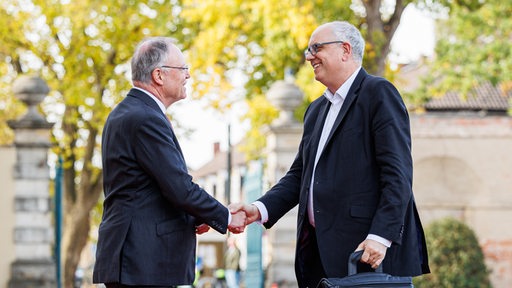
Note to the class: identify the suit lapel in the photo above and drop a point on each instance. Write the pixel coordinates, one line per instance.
(319, 126)
(351, 96)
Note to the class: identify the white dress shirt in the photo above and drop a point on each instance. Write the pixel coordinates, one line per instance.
(336, 100)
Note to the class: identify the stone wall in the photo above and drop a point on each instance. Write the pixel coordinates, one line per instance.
(463, 169)
(32, 235)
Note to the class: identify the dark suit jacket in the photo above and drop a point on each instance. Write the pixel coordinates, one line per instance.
(363, 180)
(147, 234)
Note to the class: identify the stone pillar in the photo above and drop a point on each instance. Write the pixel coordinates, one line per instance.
(33, 233)
(283, 138)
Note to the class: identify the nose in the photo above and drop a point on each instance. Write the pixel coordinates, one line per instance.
(309, 56)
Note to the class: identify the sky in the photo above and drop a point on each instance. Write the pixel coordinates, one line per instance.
(413, 39)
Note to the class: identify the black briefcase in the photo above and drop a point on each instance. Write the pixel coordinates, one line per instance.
(365, 279)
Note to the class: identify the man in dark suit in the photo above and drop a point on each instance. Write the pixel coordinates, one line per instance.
(352, 176)
(152, 209)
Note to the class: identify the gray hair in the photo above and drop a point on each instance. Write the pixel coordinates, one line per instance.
(149, 54)
(345, 31)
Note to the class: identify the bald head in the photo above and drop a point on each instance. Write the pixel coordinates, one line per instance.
(346, 32)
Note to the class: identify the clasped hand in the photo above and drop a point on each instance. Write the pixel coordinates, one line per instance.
(242, 215)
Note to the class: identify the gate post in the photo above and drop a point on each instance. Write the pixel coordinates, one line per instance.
(34, 265)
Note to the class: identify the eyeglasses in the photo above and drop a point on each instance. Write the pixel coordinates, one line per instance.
(184, 68)
(313, 49)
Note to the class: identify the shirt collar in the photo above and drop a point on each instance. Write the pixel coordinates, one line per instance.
(342, 92)
(160, 104)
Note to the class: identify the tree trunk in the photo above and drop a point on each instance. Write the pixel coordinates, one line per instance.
(74, 239)
(79, 196)
(380, 32)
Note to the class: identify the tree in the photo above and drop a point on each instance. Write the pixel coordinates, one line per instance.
(9, 107)
(455, 256)
(263, 39)
(474, 47)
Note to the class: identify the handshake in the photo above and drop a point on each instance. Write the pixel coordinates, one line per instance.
(241, 216)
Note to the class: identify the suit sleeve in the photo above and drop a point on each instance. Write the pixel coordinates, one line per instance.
(159, 156)
(392, 144)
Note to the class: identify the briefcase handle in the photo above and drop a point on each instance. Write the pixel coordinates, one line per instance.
(354, 258)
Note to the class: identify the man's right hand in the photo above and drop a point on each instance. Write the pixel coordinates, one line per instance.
(237, 224)
(251, 211)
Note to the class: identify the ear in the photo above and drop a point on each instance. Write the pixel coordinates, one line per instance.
(157, 76)
(347, 51)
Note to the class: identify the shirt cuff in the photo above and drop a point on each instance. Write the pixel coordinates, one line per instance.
(229, 217)
(263, 211)
(379, 239)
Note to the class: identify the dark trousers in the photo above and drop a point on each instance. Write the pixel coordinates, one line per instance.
(308, 266)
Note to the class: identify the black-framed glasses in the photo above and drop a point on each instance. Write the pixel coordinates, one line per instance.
(313, 49)
(184, 68)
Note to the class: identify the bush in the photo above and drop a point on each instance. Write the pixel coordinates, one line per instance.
(455, 257)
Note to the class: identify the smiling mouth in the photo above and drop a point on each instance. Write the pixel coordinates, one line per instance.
(316, 65)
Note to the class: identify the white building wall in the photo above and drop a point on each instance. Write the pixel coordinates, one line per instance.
(7, 219)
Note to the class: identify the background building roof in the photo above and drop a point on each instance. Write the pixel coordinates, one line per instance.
(485, 97)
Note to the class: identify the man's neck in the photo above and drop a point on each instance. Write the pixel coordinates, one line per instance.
(158, 102)
(343, 78)
(153, 91)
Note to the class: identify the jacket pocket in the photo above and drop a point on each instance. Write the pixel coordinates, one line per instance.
(361, 212)
(170, 226)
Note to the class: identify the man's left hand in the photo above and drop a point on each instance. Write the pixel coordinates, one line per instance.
(203, 228)
(374, 252)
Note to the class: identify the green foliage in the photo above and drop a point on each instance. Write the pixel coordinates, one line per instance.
(229, 43)
(455, 257)
(474, 47)
(10, 109)
(233, 43)
(251, 41)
